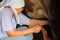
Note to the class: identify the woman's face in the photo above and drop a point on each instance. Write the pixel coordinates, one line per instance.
(19, 10)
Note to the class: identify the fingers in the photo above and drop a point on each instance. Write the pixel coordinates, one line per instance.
(43, 22)
(36, 29)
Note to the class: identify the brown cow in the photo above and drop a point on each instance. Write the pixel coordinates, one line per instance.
(38, 9)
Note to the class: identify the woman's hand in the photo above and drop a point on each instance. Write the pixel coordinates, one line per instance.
(36, 29)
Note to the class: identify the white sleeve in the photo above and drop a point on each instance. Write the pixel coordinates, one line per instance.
(23, 19)
(6, 22)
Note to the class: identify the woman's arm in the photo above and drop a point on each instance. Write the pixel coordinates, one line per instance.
(33, 22)
(14, 33)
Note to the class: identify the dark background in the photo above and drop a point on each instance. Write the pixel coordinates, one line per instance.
(55, 8)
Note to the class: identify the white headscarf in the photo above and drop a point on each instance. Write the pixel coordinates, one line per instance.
(13, 4)
(2, 4)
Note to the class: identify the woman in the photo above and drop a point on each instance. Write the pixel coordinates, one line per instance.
(11, 16)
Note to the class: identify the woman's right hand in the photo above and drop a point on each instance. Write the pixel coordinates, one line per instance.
(36, 28)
